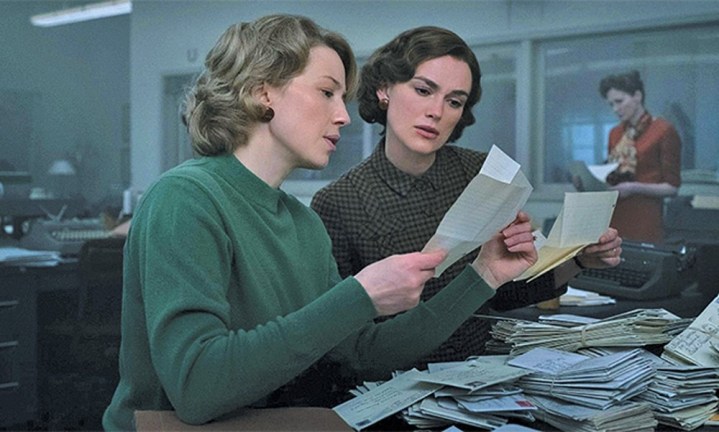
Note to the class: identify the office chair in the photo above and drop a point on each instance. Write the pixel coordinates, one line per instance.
(80, 349)
(100, 275)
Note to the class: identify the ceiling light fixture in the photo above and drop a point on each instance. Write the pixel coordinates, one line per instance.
(83, 13)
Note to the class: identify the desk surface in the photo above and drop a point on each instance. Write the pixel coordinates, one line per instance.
(273, 419)
(687, 305)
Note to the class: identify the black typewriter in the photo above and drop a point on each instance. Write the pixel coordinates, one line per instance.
(647, 271)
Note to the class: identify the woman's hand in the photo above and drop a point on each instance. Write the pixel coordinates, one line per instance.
(395, 283)
(603, 254)
(508, 253)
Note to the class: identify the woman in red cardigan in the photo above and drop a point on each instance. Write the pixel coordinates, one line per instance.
(648, 150)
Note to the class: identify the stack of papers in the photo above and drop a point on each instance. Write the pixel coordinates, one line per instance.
(698, 344)
(636, 328)
(578, 297)
(385, 399)
(26, 257)
(593, 177)
(705, 202)
(626, 417)
(683, 397)
(595, 382)
(713, 420)
(479, 393)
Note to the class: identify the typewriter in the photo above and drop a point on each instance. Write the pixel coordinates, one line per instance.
(65, 236)
(647, 271)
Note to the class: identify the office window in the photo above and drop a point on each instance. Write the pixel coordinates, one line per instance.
(495, 115)
(496, 110)
(679, 67)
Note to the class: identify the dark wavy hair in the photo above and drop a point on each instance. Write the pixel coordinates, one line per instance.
(629, 83)
(397, 62)
(220, 111)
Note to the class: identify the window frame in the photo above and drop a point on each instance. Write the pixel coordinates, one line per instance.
(530, 95)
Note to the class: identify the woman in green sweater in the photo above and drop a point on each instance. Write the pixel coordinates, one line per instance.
(231, 293)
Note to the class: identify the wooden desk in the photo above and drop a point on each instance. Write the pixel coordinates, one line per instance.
(272, 419)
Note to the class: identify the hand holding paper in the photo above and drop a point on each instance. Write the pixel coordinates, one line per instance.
(584, 217)
(489, 203)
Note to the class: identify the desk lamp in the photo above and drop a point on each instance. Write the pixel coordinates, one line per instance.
(64, 171)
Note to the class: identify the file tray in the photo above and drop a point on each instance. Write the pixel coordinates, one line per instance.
(646, 272)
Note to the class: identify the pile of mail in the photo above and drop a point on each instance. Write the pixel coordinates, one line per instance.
(626, 417)
(698, 344)
(595, 382)
(578, 297)
(636, 328)
(479, 392)
(574, 373)
(594, 389)
(683, 397)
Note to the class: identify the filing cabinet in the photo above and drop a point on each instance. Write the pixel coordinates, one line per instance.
(18, 349)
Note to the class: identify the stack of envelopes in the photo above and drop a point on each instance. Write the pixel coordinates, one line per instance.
(683, 397)
(594, 382)
(625, 417)
(636, 328)
(577, 392)
(479, 392)
(698, 344)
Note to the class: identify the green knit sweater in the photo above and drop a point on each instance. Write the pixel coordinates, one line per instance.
(230, 291)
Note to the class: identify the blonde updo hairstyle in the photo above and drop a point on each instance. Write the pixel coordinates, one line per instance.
(219, 110)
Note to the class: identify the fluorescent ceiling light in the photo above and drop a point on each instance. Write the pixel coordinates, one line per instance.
(83, 13)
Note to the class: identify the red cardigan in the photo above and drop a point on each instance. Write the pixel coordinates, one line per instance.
(640, 217)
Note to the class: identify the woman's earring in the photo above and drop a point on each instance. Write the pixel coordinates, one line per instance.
(383, 104)
(268, 115)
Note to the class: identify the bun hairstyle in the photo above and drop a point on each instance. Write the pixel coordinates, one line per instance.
(219, 110)
(397, 62)
(629, 83)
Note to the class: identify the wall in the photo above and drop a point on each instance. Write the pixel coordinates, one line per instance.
(78, 76)
(366, 24)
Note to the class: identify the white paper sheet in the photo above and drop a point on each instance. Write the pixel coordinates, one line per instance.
(584, 217)
(488, 204)
(386, 399)
(593, 177)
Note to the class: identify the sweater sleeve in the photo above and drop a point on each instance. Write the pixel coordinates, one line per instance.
(207, 366)
(380, 348)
